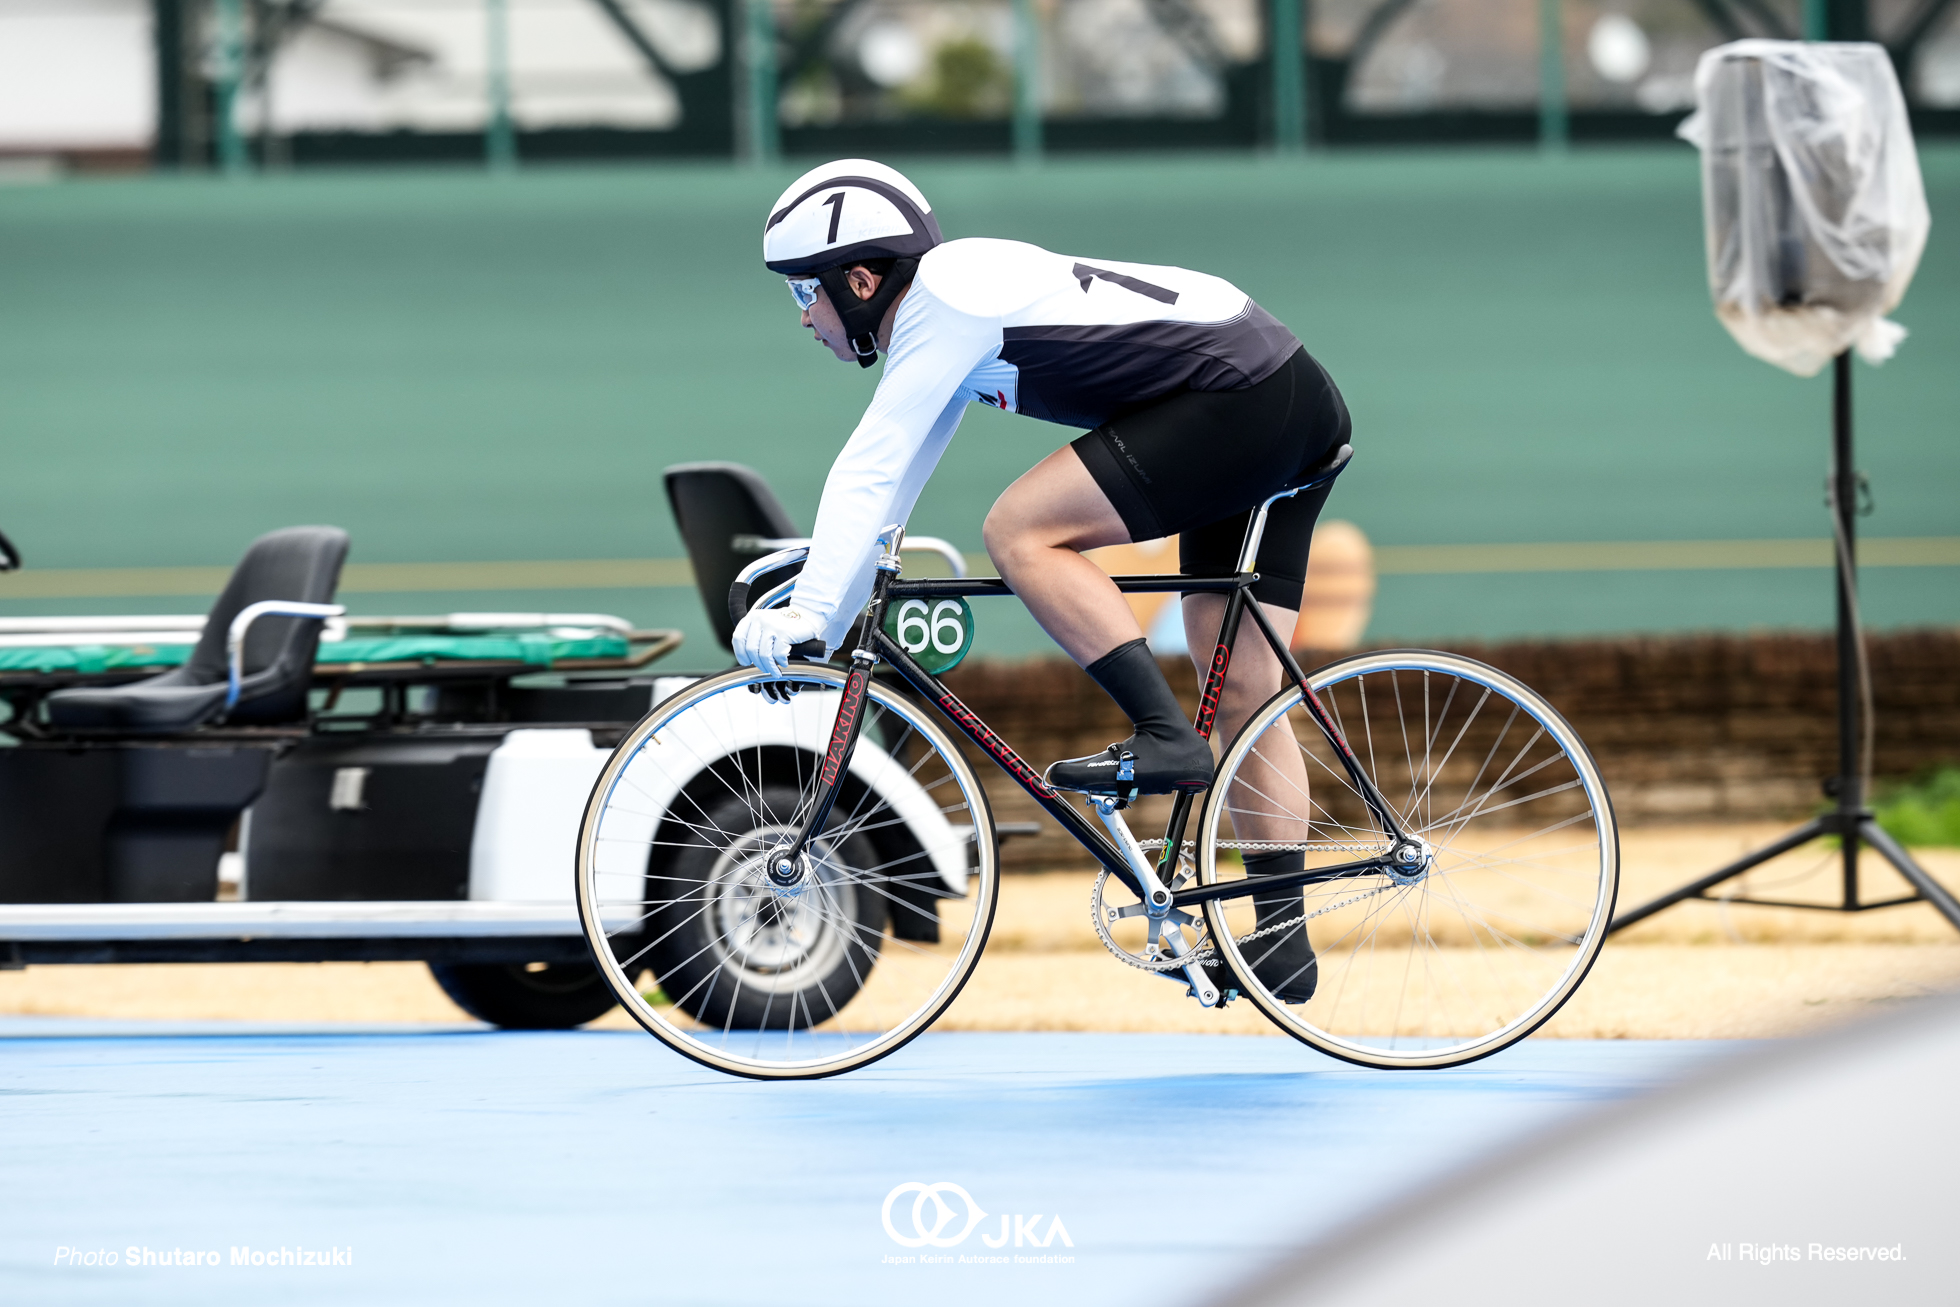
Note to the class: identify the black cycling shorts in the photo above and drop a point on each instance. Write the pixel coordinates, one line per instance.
(1197, 463)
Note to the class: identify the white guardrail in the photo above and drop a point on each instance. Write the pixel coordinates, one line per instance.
(403, 919)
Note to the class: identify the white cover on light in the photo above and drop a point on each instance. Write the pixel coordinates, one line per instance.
(1811, 195)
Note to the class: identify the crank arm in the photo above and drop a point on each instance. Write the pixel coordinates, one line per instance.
(1154, 893)
(1208, 995)
(1201, 985)
(1139, 910)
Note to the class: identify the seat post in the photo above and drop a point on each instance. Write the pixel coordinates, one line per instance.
(1255, 530)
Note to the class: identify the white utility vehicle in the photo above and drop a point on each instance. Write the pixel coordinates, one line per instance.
(279, 781)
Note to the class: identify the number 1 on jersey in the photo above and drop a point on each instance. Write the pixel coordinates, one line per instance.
(1086, 274)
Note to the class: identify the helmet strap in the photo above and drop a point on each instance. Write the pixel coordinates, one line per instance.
(862, 318)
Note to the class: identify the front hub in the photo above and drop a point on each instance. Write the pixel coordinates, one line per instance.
(786, 874)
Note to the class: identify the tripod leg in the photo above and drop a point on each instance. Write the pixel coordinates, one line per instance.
(1917, 876)
(1802, 835)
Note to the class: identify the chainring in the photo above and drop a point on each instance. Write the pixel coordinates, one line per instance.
(1202, 950)
(1190, 927)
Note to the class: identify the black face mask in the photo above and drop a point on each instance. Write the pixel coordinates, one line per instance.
(861, 317)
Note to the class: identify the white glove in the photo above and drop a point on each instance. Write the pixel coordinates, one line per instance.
(765, 637)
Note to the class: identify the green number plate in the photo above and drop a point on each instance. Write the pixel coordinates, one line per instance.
(936, 632)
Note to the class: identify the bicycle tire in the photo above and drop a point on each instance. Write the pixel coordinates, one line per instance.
(1512, 908)
(796, 984)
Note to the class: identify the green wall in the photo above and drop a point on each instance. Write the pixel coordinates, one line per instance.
(458, 367)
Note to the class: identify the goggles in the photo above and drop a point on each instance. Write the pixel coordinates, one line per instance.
(803, 291)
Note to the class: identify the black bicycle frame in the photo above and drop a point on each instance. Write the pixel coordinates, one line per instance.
(1237, 590)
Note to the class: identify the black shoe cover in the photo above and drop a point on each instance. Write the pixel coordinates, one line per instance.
(1164, 755)
(1139, 765)
(1283, 962)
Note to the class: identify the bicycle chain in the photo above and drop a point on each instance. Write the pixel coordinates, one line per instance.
(1210, 950)
(1205, 951)
(1275, 846)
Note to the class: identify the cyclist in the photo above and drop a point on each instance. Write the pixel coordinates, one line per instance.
(1198, 403)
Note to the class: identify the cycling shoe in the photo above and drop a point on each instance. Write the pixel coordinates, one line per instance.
(1141, 764)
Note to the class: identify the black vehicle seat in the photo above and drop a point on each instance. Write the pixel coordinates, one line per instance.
(713, 504)
(298, 563)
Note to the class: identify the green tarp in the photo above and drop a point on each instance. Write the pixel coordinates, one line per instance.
(535, 648)
(91, 657)
(491, 368)
(530, 647)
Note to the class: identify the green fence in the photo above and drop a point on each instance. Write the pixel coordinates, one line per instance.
(467, 370)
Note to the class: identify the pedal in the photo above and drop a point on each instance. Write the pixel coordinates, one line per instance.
(1225, 996)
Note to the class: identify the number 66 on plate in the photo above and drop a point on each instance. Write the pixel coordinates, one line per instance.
(937, 633)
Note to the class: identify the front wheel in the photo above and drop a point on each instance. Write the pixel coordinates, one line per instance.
(882, 925)
(1484, 936)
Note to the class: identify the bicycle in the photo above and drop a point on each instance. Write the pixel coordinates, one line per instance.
(809, 905)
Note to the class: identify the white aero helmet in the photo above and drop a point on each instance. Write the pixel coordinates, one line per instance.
(844, 212)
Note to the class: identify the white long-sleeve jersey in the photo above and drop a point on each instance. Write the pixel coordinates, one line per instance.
(1074, 341)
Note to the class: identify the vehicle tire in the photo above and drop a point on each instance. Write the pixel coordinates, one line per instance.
(862, 952)
(1480, 940)
(527, 996)
(736, 959)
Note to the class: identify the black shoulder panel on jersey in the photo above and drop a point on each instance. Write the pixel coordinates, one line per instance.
(1081, 376)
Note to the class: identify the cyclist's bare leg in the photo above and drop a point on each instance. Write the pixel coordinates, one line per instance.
(1036, 532)
(1269, 796)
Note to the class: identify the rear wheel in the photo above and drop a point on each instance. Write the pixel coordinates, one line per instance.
(881, 928)
(1483, 936)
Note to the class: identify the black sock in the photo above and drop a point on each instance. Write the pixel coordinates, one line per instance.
(1129, 674)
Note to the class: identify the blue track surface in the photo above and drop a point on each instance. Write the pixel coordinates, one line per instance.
(463, 1166)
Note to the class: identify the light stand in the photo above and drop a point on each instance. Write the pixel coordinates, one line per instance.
(1851, 821)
